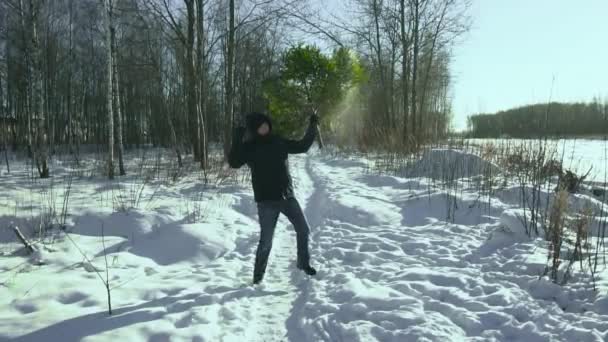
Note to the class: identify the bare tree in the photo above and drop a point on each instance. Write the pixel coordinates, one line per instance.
(405, 26)
(4, 115)
(70, 81)
(107, 9)
(229, 111)
(377, 12)
(202, 85)
(417, 13)
(38, 106)
(194, 66)
(116, 104)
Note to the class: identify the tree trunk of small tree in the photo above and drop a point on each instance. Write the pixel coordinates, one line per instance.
(107, 8)
(202, 74)
(431, 55)
(38, 96)
(404, 68)
(70, 91)
(229, 113)
(383, 84)
(4, 129)
(116, 104)
(191, 82)
(27, 96)
(416, 52)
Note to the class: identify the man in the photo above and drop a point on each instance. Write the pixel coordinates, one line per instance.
(266, 155)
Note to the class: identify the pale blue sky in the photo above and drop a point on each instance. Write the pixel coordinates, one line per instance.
(517, 47)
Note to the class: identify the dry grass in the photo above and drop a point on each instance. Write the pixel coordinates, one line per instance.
(579, 226)
(555, 232)
(536, 168)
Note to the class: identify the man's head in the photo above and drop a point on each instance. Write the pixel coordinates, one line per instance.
(259, 124)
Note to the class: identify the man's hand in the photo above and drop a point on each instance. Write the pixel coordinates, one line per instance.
(314, 119)
(314, 122)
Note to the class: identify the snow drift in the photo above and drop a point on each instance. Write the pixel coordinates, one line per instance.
(449, 164)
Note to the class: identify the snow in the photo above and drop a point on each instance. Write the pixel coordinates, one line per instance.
(398, 259)
(514, 221)
(434, 162)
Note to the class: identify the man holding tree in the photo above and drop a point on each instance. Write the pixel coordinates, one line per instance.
(266, 154)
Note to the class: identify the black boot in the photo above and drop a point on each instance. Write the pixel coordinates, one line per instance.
(308, 270)
(257, 279)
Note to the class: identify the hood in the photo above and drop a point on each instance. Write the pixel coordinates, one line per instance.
(255, 120)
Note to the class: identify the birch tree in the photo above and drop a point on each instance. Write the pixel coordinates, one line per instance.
(229, 112)
(202, 85)
(107, 9)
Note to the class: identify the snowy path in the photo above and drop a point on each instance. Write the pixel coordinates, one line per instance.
(394, 270)
(396, 262)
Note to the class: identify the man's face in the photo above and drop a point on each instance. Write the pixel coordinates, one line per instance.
(263, 129)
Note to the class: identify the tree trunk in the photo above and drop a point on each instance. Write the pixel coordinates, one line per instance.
(391, 87)
(38, 96)
(384, 103)
(202, 73)
(191, 82)
(9, 107)
(404, 70)
(164, 109)
(116, 99)
(70, 95)
(415, 68)
(70, 66)
(229, 114)
(107, 7)
(427, 73)
(27, 100)
(4, 129)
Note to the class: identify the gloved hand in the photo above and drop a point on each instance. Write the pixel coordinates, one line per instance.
(314, 119)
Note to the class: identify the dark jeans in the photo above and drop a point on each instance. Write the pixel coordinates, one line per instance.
(268, 214)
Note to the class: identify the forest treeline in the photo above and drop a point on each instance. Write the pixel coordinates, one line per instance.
(538, 120)
(180, 73)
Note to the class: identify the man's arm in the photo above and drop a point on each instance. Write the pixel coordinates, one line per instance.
(238, 154)
(303, 145)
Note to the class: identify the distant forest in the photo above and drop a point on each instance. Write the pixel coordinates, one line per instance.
(549, 119)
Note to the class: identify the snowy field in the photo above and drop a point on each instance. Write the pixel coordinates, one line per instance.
(399, 259)
(580, 155)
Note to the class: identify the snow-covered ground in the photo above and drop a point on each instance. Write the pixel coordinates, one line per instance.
(398, 260)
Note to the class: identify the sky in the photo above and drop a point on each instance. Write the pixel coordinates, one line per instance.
(520, 52)
(529, 51)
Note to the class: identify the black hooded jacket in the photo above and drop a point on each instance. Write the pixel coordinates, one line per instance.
(266, 156)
